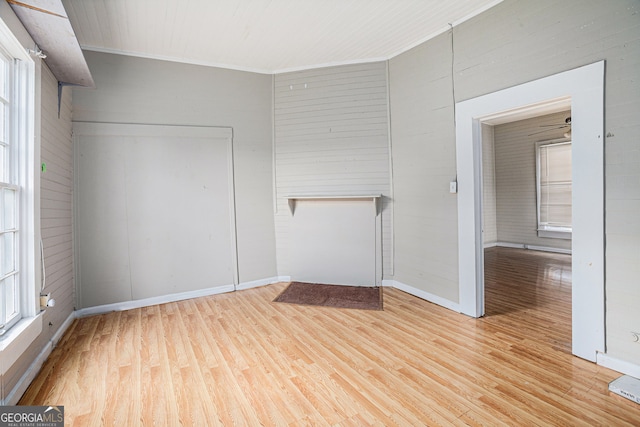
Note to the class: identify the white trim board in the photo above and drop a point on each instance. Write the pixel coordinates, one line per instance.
(423, 295)
(262, 282)
(603, 359)
(146, 302)
(526, 246)
(582, 89)
(18, 340)
(628, 368)
(23, 383)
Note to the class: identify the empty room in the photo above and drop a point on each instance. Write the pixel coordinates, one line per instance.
(249, 212)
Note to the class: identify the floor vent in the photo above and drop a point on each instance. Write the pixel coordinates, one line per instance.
(626, 386)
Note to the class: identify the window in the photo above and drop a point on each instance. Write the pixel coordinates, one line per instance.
(9, 279)
(554, 189)
(18, 295)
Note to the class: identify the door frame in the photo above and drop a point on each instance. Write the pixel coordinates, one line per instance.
(583, 89)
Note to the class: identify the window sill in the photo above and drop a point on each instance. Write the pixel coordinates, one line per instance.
(555, 233)
(17, 340)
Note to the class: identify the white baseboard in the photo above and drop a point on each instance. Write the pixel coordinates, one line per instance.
(18, 390)
(530, 247)
(424, 295)
(509, 245)
(621, 366)
(146, 302)
(163, 299)
(262, 282)
(14, 396)
(602, 359)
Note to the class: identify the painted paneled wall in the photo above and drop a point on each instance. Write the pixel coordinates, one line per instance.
(154, 209)
(332, 138)
(515, 179)
(514, 42)
(489, 225)
(144, 91)
(424, 163)
(56, 194)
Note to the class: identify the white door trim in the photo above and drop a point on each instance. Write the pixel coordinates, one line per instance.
(584, 88)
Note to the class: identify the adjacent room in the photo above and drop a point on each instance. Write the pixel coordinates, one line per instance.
(454, 187)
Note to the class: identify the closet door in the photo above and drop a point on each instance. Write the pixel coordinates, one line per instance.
(154, 211)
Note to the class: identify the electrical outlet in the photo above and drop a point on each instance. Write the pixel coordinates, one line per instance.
(44, 300)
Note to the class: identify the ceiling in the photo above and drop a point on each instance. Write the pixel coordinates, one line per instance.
(266, 36)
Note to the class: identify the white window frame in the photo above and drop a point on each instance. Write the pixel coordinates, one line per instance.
(545, 230)
(23, 149)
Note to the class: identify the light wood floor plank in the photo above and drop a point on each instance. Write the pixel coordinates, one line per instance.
(240, 359)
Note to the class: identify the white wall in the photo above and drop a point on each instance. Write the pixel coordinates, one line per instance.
(515, 179)
(154, 208)
(424, 162)
(144, 91)
(56, 194)
(331, 138)
(489, 226)
(516, 41)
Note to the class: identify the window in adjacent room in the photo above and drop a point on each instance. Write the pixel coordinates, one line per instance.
(554, 189)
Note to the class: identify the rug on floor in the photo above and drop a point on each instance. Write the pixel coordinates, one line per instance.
(340, 296)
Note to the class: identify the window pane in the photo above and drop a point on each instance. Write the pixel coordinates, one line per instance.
(556, 160)
(11, 298)
(3, 122)
(8, 261)
(8, 213)
(4, 76)
(3, 167)
(555, 185)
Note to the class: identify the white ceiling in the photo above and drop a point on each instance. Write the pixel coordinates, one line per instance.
(267, 36)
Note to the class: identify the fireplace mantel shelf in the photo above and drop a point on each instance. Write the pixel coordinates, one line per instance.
(373, 197)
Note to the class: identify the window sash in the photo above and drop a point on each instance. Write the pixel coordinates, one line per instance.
(10, 294)
(12, 97)
(554, 184)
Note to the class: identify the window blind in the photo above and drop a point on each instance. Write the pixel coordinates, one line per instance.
(555, 184)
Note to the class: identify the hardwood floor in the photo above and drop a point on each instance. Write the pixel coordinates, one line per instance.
(240, 359)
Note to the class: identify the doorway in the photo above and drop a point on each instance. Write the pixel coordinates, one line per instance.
(526, 169)
(582, 90)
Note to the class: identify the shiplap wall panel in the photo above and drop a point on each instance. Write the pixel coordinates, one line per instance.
(56, 194)
(515, 178)
(56, 216)
(423, 141)
(331, 138)
(515, 42)
(489, 224)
